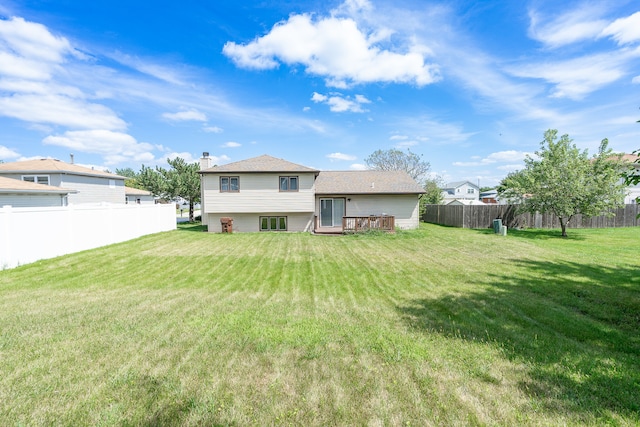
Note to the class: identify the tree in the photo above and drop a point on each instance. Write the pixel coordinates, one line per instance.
(152, 180)
(563, 180)
(632, 175)
(182, 180)
(433, 193)
(131, 178)
(397, 160)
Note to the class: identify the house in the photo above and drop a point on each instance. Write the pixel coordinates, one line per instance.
(92, 186)
(18, 193)
(460, 190)
(490, 197)
(633, 191)
(138, 196)
(465, 202)
(269, 194)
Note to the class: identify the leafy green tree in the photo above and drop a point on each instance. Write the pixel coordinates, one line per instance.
(131, 178)
(182, 180)
(433, 193)
(152, 180)
(394, 159)
(632, 175)
(563, 180)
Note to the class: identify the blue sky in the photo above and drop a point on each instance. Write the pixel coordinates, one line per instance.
(469, 85)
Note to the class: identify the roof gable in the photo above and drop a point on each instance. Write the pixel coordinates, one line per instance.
(260, 164)
(458, 184)
(53, 166)
(366, 182)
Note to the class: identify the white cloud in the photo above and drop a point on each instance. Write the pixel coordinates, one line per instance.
(508, 156)
(161, 72)
(115, 147)
(32, 40)
(60, 110)
(188, 115)
(340, 104)
(212, 129)
(577, 77)
(305, 109)
(575, 25)
(338, 50)
(398, 137)
(433, 130)
(635, 80)
(7, 153)
(187, 157)
(341, 156)
(30, 58)
(358, 167)
(624, 30)
(231, 144)
(316, 97)
(406, 143)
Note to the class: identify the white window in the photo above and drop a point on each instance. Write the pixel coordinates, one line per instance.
(38, 179)
(112, 183)
(470, 190)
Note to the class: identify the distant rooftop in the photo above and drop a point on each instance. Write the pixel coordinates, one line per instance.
(53, 166)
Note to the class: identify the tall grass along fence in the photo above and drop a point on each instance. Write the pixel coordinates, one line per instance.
(483, 216)
(31, 234)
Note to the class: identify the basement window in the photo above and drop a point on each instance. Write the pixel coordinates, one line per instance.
(273, 223)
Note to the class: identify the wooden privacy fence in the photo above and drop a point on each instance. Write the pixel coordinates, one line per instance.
(483, 216)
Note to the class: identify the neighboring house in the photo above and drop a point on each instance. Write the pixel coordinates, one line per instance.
(92, 186)
(21, 194)
(633, 191)
(269, 194)
(490, 197)
(461, 190)
(137, 196)
(462, 202)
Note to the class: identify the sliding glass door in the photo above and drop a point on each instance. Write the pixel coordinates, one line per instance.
(331, 212)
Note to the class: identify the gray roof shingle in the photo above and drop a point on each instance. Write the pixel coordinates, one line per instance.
(366, 182)
(53, 166)
(264, 163)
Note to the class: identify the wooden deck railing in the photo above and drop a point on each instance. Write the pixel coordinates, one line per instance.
(363, 223)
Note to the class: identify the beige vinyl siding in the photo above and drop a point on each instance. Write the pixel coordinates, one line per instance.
(404, 207)
(93, 189)
(250, 222)
(31, 200)
(259, 193)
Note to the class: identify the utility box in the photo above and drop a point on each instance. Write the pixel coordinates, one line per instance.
(497, 225)
(227, 224)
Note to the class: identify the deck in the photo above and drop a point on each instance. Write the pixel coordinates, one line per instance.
(356, 224)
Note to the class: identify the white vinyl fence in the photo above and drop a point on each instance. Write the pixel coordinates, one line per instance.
(31, 234)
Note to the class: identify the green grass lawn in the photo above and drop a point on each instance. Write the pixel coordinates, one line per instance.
(438, 326)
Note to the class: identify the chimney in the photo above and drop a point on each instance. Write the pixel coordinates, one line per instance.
(71, 158)
(205, 161)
